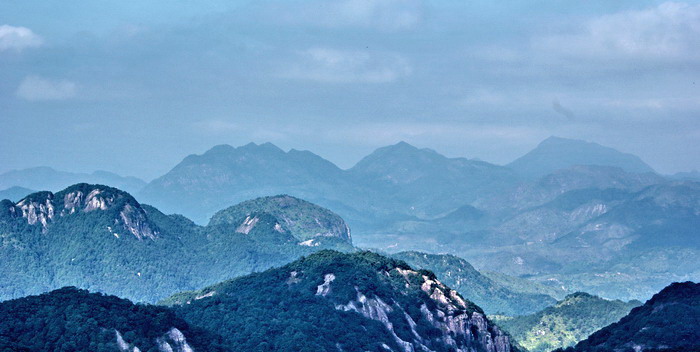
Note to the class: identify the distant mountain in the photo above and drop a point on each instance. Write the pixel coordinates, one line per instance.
(474, 286)
(306, 221)
(556, 153)
(46, 178)
(75, 320)
(402, 198)
(667, 322)
(614, 243)
(669, 209)
(686, 176)
(579, 177)
(331, 301)
(524, 285)
(101, 238)
(425, 183)
(200, 185)
(15, 193)
(392, 183)
(566, 323)
(598, 233)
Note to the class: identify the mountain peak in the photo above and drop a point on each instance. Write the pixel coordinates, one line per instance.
(668, 321)
(220, 149)
(407, 309)
(404, 145)
(46, 207)
(554, 140)
(305, 220)
(556, 153)
(400, 154)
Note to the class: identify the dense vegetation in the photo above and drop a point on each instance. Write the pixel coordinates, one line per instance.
(96, 249)
(305, 220)
(576, 215)
(286, 309)
(564, 324)
(327, 301)
(493, 297)
(669, 321)
(70, 319)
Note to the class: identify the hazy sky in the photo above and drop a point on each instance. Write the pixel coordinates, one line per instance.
(134, 86)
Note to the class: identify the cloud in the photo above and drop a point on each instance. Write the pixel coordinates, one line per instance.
(387, 15)
(35, 88)
(669, 31)
(345, 66)
(559, 109)
(18, 38)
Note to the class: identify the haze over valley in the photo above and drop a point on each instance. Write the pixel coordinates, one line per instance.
(349, 176)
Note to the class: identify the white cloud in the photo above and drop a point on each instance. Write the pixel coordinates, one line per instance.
(35, 88)
(670, 31)
(18, 38)
(343, 66)
(388, 15)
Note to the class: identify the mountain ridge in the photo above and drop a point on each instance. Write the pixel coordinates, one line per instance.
(666, 322)
(351, 302)
(556, 153)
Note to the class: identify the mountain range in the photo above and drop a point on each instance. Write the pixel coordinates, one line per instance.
(324, 302)
(583, 222)
(96, 237)
(101, 238)
(334, 301)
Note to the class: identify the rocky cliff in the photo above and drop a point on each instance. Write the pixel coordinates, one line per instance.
(347, 302)
(45, 207)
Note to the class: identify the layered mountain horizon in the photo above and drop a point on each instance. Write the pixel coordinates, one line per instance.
(273, 252)
(593, 213)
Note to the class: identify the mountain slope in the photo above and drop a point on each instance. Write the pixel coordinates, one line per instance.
(578, 177)
(49, 179)
(424, 183)
(307, 222)
(15, 193)
(90, 236)
(667, 322)
(560, 153)
(75, 320)
(349, 302)
(564, 324)
(614, 243)
(203, 184)
(102, 239)
(471, 284)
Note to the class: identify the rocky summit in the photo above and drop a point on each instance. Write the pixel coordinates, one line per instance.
(348, 302)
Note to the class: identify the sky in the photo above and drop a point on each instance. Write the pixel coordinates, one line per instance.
(133, 87)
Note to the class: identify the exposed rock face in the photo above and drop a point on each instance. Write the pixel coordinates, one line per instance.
(459, 329)
(45, 207)
(247, 225)
(172, 341)
(325, 288)
(41, 210)
(303, 220)
(360, 301)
